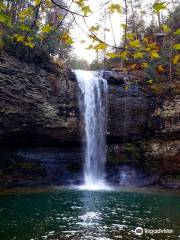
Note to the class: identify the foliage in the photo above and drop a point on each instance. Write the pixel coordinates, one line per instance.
(42, 24)
(32, 28)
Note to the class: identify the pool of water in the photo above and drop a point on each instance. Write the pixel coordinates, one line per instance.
(99, 215)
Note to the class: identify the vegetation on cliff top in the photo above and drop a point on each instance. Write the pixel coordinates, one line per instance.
(43, 27)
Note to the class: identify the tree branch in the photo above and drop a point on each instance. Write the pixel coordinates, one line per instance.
(66, 9)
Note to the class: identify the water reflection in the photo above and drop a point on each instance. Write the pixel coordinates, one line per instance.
(92, 216)
(80, 215)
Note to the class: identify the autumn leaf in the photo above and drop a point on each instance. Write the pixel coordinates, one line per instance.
(100, 46)
(165, 28)
(80, 3)
(176, 46)
(160, 68)
(29, 44)
(146, 40)
(177, 32)
(154, 54)
(48, 3)
(159, 6)
(152, 46)
(86, 10)
(133, 66)
(37, 2)
(130, 35)
(176, 59)
(2, 6)
(25, 28)
(27, 12)
(115, 8)
(123, 55)
(46, 28)
(66, 38)
(144, 65)
(5, 19)
(135, 43)
(123, 25)
(20, 38)
(112, 55)
(150, 81)
(138, 55)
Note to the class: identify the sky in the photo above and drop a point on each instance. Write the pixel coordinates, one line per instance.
(81, 33)
(78, 35)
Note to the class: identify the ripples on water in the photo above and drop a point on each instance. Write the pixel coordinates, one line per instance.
(93, 215)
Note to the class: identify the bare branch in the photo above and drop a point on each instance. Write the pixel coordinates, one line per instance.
(66, 9)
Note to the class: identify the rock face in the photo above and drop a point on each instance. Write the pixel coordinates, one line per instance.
(36, 105)
(40, 130)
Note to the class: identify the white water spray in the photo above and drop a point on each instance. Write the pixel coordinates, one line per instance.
(93, 101)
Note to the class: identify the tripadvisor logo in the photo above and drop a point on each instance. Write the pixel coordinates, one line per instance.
(139, 231)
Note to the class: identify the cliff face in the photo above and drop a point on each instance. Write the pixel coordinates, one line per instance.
(36, 106)
(40, 130)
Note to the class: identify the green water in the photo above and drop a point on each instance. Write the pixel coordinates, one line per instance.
(99, 215)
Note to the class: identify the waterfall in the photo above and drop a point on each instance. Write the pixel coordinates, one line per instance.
(93, 101)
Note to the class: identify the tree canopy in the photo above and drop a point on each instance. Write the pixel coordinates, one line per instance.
(46, 24)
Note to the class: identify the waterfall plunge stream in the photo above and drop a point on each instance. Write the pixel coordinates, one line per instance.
(93, 101)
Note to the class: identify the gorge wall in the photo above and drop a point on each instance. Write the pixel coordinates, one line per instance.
(40, 129)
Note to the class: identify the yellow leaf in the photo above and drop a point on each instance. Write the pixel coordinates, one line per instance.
(133, 66)
(24, 28)
(166, 29)
(27, 12)
(86, 10)
(48, 3)
(150, 81)
(66, 38)
(152, 46)
(37, 2)
(123, 55)
(46, 28)
(158, 6)
(138, 55)
(145, 65)
(29, 44)
(146, 40)
(130, 35)
(100, 46)
(176, 59)
(20, 38)
(177, 32)
(115, 8)
(160, 68)
(80, 3)
(176, 46)
(135, 43)
(154, 54)
(112, 55)
(123, 25)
